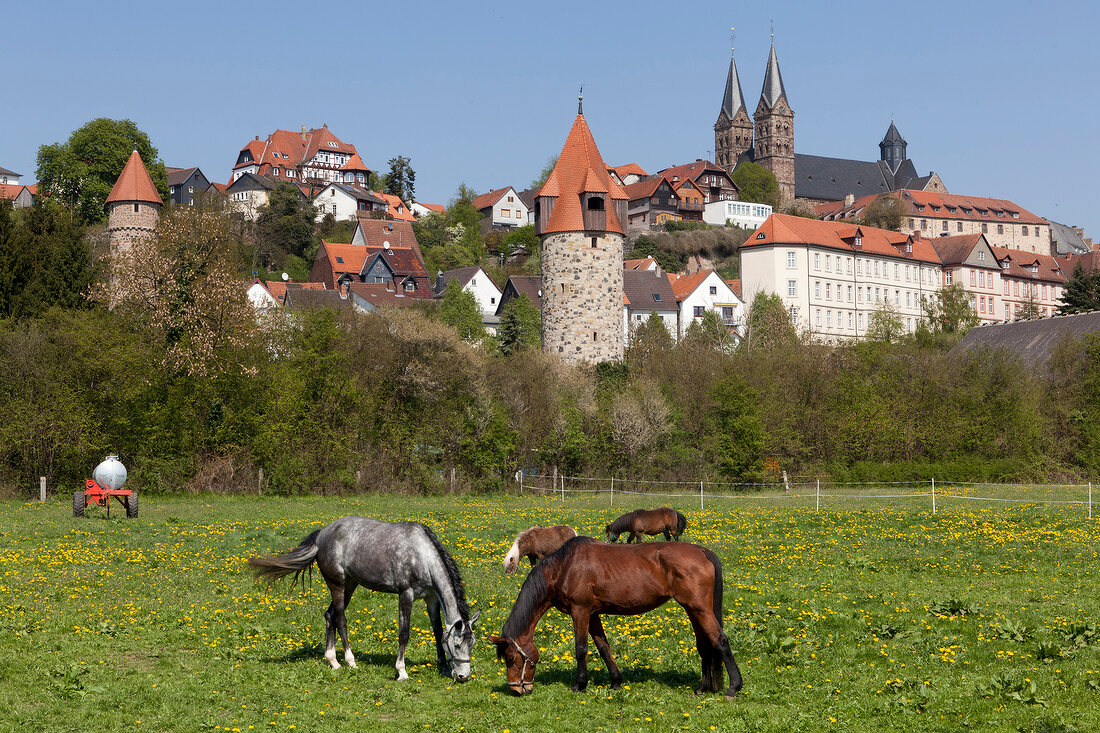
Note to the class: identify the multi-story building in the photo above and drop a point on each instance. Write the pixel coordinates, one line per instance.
(934, 214)
(650, 203)
(712, 179)
(501, 208)
(313, 156)
(184, 184)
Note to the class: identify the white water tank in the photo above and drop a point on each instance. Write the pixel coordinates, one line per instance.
(110, 474)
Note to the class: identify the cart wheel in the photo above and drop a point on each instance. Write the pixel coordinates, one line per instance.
(78, 503)
(132, 506)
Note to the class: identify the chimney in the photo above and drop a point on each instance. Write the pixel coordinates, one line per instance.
(257, 138)
(303, 131)
(849, 199)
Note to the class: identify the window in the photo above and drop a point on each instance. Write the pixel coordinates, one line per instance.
(859, 294)
(958, 226)
(896, 268)
(817, 261)
(727, 313)
(981, 254)
(944, 227)
(697, 311)
(947, 277)
(859, 266)
(817, 288)
(1000, 229)
(908, 303)
(849, 319)
(985, 228)
(510, 199)
(657, 297)
(792, 290)
(829, 319)
(714, 290)
(817, 317)
(849, 265)
(826, 263)
(506, 213)
(859, 241)
(897, 297)
(849, 293)
(790, 260)
(136, 208)
(594, 241)
(828, 291)
(860, 321)
(1006, 286)
(1016, 288)
(876, 268)
(923, 223)
(595, 203)
(1024, 230)
(972, 278)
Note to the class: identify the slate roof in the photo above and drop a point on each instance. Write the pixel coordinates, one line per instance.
(134, 183)
(892, 135)
(732, 99)
(648, 291)
(529, 285)
(1033, 341)
(528, 198)
(1066, 240)
(954, 250)
(359, 193)
(179, 176)
(382, 294)
(831, 179)
(773, 82)
(462, 274)
(5, 171)
(580, 169)
(643, 189)
(308, 299)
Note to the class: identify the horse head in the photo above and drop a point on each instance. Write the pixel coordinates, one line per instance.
(519, 661)
(611, 536)
(458, 646)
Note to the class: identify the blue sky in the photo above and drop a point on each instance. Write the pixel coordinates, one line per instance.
(999, 98)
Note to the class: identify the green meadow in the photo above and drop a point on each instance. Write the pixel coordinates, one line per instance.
(866, 615)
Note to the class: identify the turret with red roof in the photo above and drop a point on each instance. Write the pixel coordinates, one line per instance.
(133, 206)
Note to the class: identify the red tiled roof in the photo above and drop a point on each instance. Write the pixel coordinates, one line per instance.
(1020, 262)
(954, 250)
(12, 190)
(433, 207)
(628, 169)
(692, 170)
(1089, 261)
(640, 264)
(289, 149)
(579, 169)
(643, 189)
(787, 229)
(382, 294)
(485, 200)
(134, 183)
(685, 285)
(735, 286)
(935, 205)
(355, 163)
(397, 208)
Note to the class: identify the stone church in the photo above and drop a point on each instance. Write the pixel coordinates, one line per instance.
(767, 139)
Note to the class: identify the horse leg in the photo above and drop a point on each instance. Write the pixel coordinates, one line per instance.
(708, 658)
(334, 612)
(580, 639)
(437, 629)
(342, 625)
(595, 628)
(668, 536)
(712, 628)
(532, 558)
(633, 537)
(404, 614)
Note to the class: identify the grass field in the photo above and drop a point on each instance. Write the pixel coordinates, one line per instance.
(870, 616)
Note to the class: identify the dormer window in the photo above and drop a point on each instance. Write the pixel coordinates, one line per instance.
(858, 242)
(595, 203)
(657, 297)
(1004, 265)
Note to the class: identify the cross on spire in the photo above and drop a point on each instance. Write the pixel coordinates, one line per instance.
(773, 29)
(733, 38)
(580, 101)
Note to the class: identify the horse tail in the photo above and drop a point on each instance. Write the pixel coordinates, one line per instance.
(296, 561)
(681, 523)
(719, 587)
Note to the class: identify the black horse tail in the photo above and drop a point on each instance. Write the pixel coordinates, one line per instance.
(681, 523)
(719, 590)
(296, 561)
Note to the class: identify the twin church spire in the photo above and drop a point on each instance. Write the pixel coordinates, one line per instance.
(766, 138)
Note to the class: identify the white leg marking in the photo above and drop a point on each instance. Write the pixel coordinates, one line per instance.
(349, 658)
(401, 675)
(330, 655)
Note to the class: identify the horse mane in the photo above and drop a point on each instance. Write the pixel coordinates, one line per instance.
(622, 524)
(533, 591)
(452, 573)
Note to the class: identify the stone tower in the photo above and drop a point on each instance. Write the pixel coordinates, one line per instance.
(774, 125)
(733, 130)
(579, 216)
(892, 148)
(133, 207)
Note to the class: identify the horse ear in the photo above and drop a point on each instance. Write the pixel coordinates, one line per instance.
(474, 618)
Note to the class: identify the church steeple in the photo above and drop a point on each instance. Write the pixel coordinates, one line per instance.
(892, 149)
(774, 128)
(733, 130)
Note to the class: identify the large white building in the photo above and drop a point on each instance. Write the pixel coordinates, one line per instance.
(736, 213)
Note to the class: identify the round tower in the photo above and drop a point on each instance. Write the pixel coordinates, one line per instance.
(579, 215)
(133, 206)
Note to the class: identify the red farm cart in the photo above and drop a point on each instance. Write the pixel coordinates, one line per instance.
(106, 482)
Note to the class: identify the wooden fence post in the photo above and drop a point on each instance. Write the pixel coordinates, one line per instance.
(554, 480)
(786, 484)
(700, 495)
(818, 495)
(260, 481)
(613, 494)
(933, 494)
(42, 490)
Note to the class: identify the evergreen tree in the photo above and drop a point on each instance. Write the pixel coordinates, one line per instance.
(400, 181)
(1082, 293)
(520, 326)
(285, 226)
(44, 261)
(459, 309)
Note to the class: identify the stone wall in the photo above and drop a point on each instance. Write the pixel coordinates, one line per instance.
(582, 296)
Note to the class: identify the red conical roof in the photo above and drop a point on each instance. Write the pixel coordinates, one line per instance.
(580, 169)
(134, 183)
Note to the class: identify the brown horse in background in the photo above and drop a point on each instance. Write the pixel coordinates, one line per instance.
(586, 578)
(647, 521)
(536, 543)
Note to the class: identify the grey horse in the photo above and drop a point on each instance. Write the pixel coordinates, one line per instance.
(405, 558)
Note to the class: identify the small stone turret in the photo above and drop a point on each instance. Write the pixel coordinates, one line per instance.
(579, 216)
(133, 206)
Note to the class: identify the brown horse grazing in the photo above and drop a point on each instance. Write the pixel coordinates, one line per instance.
(585, 578)
(536, 543)
(647, 521)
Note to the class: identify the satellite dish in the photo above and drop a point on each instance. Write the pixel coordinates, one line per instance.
(285, 277)
(385, 245)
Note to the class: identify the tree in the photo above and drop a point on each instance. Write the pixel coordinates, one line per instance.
(648, 339)
(756, 184)
(461, 209)
(521, 238)
(544, 173)
(885, 324)
(709, 332)
(648, 247)
(185, 286)
(949, 310)
(400, 181)
(1082, 293)
(885, 212)
(800, 208)
(769, 322)
(520, 326)
(82, 171)
(285, 226)
(459, 309)
(738, 433)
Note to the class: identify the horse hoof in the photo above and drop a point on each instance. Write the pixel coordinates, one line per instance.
(730, 696)
(574, 688)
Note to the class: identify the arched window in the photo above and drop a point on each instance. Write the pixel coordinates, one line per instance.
(595, 203)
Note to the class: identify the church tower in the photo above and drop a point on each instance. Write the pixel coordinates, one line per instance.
(733, 130)
(892, 148)
(579, 217)
(774, 126)
(133, 207)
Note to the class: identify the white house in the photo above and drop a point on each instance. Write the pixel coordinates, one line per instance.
(261, 297)
(646, 292)
(736, 213)
(503, 208)
(346, 201)
(9, 178)
(474, 280)
(418, 209)
(706, 291)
